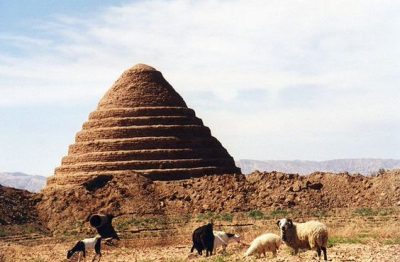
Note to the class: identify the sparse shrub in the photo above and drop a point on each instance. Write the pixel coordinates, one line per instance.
(135, 222)
(226, 217)
(365, 212)
(205, 216)
(256, 214)
(30, 230)
(69, 233)
(332, 241)
(3, 233)
(279, 213)
(318, 213)
(385, 212)
(394, 241)
(122, 226)
(213, 216)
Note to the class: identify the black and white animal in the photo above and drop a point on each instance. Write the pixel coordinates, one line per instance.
(203, 238)
(84, 245)
(308, 235)
(223, 239)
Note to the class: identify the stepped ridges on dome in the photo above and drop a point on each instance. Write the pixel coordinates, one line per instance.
(142, 111)
(103, 145)
(143, 126)
(142, 121)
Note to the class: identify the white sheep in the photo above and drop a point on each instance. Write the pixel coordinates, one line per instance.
(261, 244)
(223, 239)
(308, 235)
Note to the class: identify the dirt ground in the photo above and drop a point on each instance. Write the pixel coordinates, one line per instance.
(354, 235)
(57, 252)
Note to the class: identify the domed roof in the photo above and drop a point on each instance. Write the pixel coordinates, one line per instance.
(141, 86)
(143, 126)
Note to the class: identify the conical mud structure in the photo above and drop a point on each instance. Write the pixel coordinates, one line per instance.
(143, 126)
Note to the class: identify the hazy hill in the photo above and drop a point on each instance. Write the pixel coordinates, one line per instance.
(362, 166)
(22, 181)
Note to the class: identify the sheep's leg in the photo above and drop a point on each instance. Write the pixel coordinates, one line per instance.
(98, 256)
(224, 248)
(274, 253)
(319, 252)
(325, 256)
(296, 252)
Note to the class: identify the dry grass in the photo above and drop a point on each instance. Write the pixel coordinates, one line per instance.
(362, 238)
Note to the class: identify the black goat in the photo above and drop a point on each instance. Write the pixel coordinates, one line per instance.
(103, 225)
(203, 238)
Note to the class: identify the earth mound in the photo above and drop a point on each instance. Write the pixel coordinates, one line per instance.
(324, 190)
(139, 196)
(142, 126)
(17, 206)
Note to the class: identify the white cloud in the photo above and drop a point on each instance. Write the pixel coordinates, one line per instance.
(223, 46)
(344, 55)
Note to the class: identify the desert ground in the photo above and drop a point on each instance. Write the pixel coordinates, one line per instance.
(355, 235)
(372, 251)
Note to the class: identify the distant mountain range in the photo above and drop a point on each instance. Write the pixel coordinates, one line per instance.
(362, 166)
(22, 181)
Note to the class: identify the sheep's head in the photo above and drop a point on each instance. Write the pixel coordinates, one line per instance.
(284, 225)
(237, 238)
(70, 253)
(233, 237)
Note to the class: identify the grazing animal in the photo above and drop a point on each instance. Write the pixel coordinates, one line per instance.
(308, 235)
(203, 238)
(223, 239)
(262, 244)
(84, 245)
(103, 225)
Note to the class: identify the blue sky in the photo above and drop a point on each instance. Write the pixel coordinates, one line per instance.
(311, 80)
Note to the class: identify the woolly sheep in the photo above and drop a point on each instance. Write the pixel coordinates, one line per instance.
(308, 235)
(223, 239)
(264, 243)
